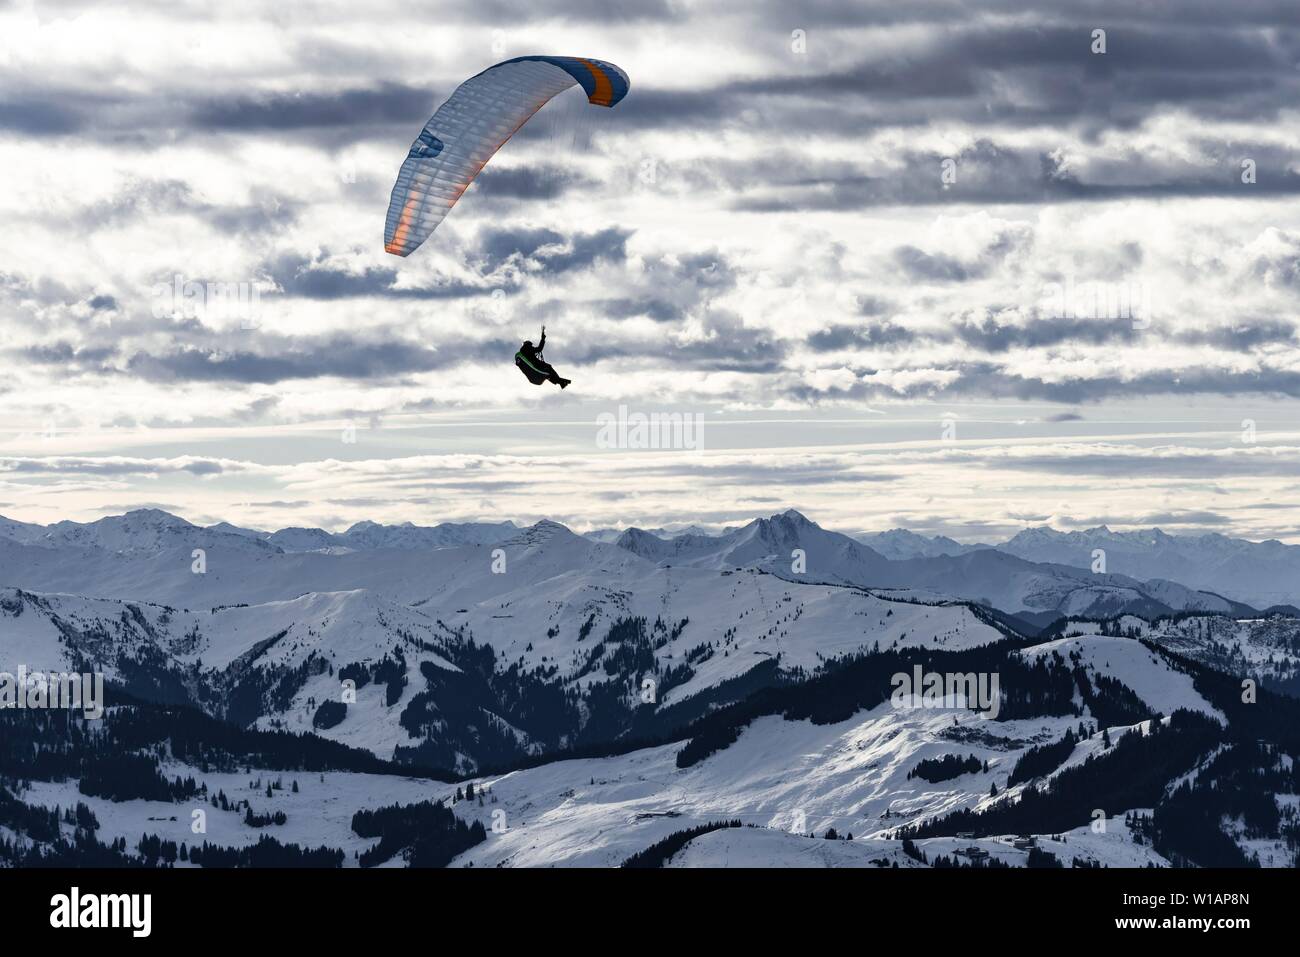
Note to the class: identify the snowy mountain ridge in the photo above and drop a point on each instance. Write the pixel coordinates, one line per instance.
(630, 691)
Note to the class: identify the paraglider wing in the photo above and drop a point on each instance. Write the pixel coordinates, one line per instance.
(472, 125)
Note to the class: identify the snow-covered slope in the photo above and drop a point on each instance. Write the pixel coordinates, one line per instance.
(550, 606)
(1265, 648)
(787, 780)
(780, 777)
(224, 646)
(780, 774)
(20, 531)
(318, 813)
(1149, 676)
(770, 847)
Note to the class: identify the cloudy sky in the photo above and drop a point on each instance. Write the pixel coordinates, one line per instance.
(936, 264)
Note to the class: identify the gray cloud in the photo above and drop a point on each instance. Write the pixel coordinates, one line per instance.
(1142, 462)
(531, 184)
(919, 264)
(547, 248)
(115, 465)
(337, 356)
(1244, 337)
(310, 109)
(867, 336)
(991, 336)
(1150, 519)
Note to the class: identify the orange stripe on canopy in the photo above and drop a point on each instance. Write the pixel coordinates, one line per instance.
(397, 246)
(603, 95)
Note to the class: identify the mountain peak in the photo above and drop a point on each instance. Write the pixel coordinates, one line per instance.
(1036, 533)
(788, 523)
(155, 515)
(546, 525)
(228, 528)
(902, 534)
(543, 531)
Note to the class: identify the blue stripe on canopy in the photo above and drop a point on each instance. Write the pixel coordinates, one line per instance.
(580, 69)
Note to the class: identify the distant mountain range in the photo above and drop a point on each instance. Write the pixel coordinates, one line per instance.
(791, 546)
(1258, 573)
(150, 529)
(1040, 574)
(1261, 574)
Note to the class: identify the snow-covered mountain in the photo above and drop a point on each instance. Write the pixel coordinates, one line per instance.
(1147, 572)
(1258, 573)
(150, 556)
(152, 529)
(554, 608)
(297, 539)
(898, 544)
(1266, 649)
(141, 531)
(791, 546)
(408, 536)
(610, 535)
(631, 692)
(1262, 574)
(814, 763)
(20, 531)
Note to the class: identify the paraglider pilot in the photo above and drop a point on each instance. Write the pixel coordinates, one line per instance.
(538, 370)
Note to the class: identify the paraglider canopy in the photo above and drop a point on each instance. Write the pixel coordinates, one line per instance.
(472, 125)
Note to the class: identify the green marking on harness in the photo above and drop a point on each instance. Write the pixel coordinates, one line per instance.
(520, 355)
